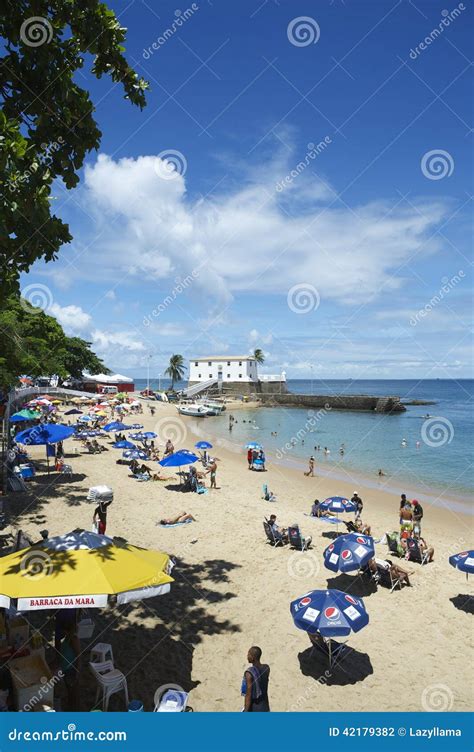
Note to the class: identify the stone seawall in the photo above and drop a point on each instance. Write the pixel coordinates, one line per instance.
(334, 402)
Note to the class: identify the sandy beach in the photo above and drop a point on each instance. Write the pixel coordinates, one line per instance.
(232, 590)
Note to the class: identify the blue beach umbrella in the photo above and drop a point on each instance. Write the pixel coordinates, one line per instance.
(463, 561)
(123, 445)
(183, 457)
(135, 427)
(203, 445)
(331, 613)
(84, 419)
(144, 436)
(74, 411)
(349, 552)
(116, 425)
(338, 504)
(47, 433)
(134, 454)
(253, 445)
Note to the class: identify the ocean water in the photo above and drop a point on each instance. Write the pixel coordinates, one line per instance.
(438, 453)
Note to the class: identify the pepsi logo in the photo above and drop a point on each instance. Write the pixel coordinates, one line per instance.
(331, 612)
(346, 554)
(352, 600)
(361, 540)
(331, 547)
(463, 555)
(305, 601)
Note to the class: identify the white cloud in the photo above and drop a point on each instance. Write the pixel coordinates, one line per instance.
(110, 295)
(255, 338)
(72, 318)
(104, 341)
(252, 239)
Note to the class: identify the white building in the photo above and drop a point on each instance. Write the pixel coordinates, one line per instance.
(230, 368)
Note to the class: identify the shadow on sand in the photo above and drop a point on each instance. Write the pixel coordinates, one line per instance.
(351, 667)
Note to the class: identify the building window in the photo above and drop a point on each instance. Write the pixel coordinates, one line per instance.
(240, 362)
(199, 375)
(240, 375)
(196, 363)
(210, 363)
(228, 362)
(210, 375)
(228, 375)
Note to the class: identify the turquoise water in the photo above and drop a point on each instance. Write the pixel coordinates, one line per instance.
(442, 459)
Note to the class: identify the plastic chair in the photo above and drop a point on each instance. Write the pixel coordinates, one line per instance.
(109, 681)
(101, 652)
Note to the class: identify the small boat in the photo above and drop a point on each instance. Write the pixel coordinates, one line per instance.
(213, 406)
(194, 410)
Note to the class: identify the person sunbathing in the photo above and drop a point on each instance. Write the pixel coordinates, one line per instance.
(181, 517)
(277, 530)
(316, 510)
(169, 448)
(424, 547)
(362, 527)
(396, 571)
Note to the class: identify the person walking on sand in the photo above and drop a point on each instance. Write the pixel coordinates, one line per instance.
(212, 469)
(250, 458)
(255, 683)
(310, 471)
(100, 517)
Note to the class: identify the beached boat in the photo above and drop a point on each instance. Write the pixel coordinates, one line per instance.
(214, 407)
(193, 410)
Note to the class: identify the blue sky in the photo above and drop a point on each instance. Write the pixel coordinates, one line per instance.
(320, 196)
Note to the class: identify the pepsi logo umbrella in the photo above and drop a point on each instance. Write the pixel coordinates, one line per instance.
(338, 504)
(134, 454)
(47, 433)
(331, 613)
(349, 552)
(463, 561)
(116, 425)
(203, 445)
(135, 427)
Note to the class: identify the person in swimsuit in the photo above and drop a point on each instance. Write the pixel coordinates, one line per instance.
(100, 516)
(255, 683)
(181, 517)
(212, 469)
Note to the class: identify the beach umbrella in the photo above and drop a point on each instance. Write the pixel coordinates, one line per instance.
(123, 445)
(24, 415)
(463, 561)
(73, 411)
(349, 552)
(329, 613)
(46, 433)
(135, 426)
(134, 454)
(203, 445)
(116, 425)
(143, 436)
(183, 457)
(338, 504)
(253, 445)
(84, 419)
(81, 569)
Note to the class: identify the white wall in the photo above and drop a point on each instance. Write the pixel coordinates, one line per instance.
(233, 370)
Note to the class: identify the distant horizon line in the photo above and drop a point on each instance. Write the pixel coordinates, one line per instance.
(329, 378)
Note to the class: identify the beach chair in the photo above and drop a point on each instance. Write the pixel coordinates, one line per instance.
(414, 552)
(297, 540)
(173, 701)
(109, 681)
(333, 651)
(273, 537)
(394, 546)
(386, 578)
(351, 528)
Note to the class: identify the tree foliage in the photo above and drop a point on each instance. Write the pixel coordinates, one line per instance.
(176, 369)
(258, 355)
(34, 343)
(47, 124)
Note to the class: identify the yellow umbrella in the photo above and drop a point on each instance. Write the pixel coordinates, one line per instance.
(82, 569)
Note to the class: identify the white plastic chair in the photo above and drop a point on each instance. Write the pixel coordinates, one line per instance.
(101, 652)
(109, 681)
